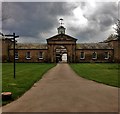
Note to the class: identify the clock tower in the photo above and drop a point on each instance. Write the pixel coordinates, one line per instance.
(61, 29)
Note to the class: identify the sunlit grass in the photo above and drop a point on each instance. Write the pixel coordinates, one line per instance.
(26, 75)
(102, 72)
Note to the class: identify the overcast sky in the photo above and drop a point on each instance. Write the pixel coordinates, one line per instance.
(37, 21)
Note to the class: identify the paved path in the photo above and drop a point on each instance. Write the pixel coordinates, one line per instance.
(62, 90)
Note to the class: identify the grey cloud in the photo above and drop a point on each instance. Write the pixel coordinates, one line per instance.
(32, 19)
(105, 14)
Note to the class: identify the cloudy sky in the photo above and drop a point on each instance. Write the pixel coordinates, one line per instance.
(37, 21)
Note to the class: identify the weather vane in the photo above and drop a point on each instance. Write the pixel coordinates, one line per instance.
(61, 23)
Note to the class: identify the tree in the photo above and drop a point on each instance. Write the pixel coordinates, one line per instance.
(118, 29)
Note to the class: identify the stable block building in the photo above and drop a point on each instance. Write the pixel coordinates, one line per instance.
(62, 48)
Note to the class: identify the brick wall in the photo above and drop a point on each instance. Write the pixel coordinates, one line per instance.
(33, 55)
(116, 46)
(5, 49)
(100, 55)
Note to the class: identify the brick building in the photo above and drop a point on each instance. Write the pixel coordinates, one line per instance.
(62, 47)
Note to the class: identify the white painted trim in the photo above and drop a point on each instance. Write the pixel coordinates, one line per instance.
(40, 58)
(28, 58)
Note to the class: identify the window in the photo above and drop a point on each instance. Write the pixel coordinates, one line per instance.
(106, 55)
(40, 55)
(82, 55)
(28, 55)
(94, 55)
(16, 55)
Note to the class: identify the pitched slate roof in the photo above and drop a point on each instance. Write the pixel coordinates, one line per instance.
(101, 45)
(31, 46)
(93, 46)
(78, 46)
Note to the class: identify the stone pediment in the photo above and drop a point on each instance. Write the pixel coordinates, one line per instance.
(61, 37)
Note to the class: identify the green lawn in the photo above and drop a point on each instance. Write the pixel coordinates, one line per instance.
(102, 72)
(26, 75)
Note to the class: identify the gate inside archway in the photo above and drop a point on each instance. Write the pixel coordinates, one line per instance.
(61, 54)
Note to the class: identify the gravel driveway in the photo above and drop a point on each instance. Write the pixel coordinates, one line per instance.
(62, 90)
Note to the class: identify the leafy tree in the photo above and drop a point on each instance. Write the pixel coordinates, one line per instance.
(118, 29)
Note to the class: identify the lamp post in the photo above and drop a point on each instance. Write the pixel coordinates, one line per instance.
(13, 38)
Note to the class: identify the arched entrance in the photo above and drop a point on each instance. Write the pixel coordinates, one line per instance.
(61, 54)
(61, 48)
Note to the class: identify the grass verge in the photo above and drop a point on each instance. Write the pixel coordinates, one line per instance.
(106, 73)
(26, 75)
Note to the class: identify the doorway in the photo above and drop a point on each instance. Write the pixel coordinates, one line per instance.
(64, 57)
(61, 54)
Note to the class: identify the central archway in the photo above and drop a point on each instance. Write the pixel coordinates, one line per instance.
(61, 54)
(61, 48)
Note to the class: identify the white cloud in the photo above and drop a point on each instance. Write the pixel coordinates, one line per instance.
(79, 17)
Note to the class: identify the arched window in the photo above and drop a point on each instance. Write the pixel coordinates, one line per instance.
(28, 55)
(94, 55)
(82, 55)
(106, 55)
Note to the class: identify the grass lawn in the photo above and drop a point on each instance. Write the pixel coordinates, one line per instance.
(26, 75)
(106, 73)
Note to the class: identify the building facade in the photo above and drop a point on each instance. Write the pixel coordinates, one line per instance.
(62, 47)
